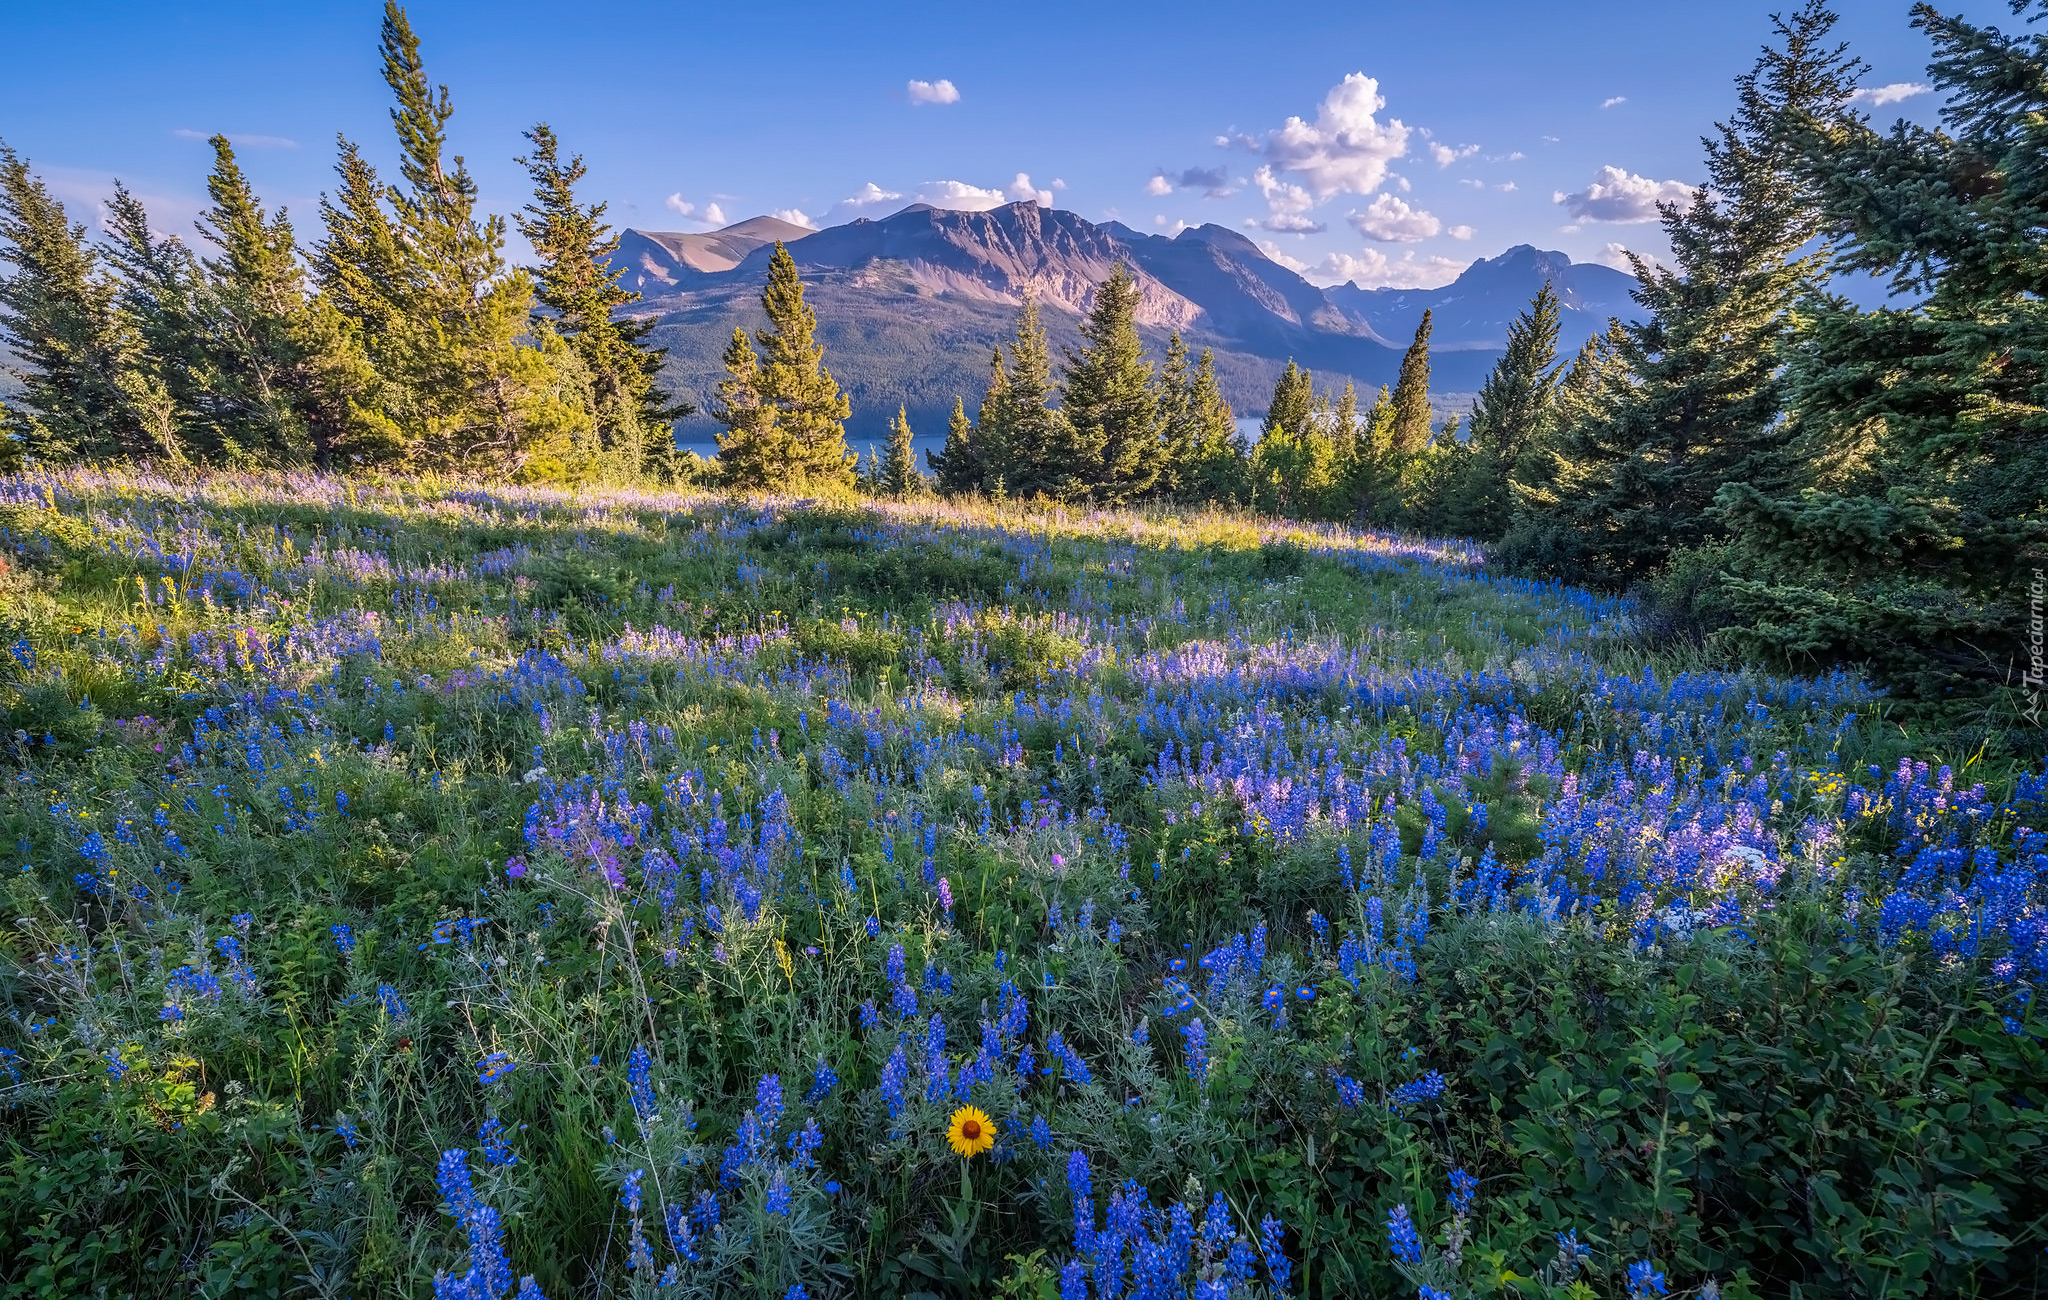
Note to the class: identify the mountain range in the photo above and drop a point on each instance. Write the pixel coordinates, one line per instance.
(910, 306)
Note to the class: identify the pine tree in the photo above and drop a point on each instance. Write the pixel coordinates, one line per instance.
(471, 382)
(60, 318)
(1174, 394)
(809, 408)
(1372, 482)
(1294, 464)
(957, 468)
(1411, 394)
(162, 300)
(1217, 462)
(1913, 557)
(579, 287)
(899, 466)
(1701, 405)
(1036, 452)
(1108, 398)
(754, 452)
(1513, 409)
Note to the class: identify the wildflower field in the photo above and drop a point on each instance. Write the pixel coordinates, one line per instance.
(416, 889)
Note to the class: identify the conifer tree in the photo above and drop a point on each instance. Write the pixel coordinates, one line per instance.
(899, 466)
(1036, 452)
(957, 468)
(1914, 555)
(1700, 405)
(754, 451)
(1411, 394)
(1372, 485)
(809, 408)
(165, 376)
(60, 318)
(579, 288)
(1107, 395)
(1174, 394)
(471, 382)
(1217, 469)
(1513, 408)
(1294, 466)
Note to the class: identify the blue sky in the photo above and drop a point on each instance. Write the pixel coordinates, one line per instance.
(1387, 142)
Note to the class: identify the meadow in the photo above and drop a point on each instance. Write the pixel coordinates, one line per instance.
(421, 889)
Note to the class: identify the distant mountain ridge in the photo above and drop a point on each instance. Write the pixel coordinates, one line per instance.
(910, 305)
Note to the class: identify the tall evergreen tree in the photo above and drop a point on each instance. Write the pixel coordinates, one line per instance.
(1035, 452)
(1217, 468)
(1173, 392)
(470, 381)
(1411, 394)
(754, 452)
(809, 408)
(1701, 403)
(579, 288)
(1293, 468)
(1513, 408)
(899, 465)
(165, 376)
(1914, 556)
(957, 468)
(1108, 398)
(60, 318)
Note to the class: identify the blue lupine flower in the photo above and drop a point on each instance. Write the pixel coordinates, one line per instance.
(1463, 1185)
(778, 1194)
(1645, 1281)
(1428, 1088)
(1402, 1237)
(1197, 1049)
(640, 1081)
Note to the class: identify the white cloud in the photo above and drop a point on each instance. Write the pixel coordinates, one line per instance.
(677, 204)
(1400, 182)
(857, 203)
(1173, 227)
(868, 195)
(246, 141)
(1616, 101)
(1550, 139)
(1459, 232)
(1275, 253)
(714, 214)
(933, 92)
(1623, 197)
(1473, 182)
(1022, 189)
(1373, 269)
(1345, 150)
(1506, 187)
(1445, 154)
(1214, 182)
(1391, 221)
(793, 216)
(1879, 96)
(959, 196)
(1287, 223)
(1058, 184)
(1614, 255)
(1282, 197)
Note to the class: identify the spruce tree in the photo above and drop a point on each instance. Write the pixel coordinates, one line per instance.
(579, 289)
(60, 318)
(1293, 466)
(899, 466)
(809, 408)
(470, 382)
(754, 451)
(1513, 408)
(1914, 555)
(1174, 393)
(1107, 395)
(1036, 453)
(1411, 394)
(1217, 460)
(957, 468)
(167, 375)
(1697, 401)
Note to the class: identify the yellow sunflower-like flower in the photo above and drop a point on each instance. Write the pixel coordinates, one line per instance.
(971, 1132)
